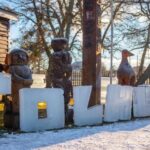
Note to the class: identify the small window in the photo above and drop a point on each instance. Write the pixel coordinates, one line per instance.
(42, 110)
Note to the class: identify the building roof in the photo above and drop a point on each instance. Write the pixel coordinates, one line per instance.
(8, 14)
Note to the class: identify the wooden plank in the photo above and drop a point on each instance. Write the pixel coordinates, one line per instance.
(3, 42)
(4, 26)
(4, 21)
(3, 46)
(6, 29)
(2, 59)
(2, 38)
(2, 33)
(3, 50)
(2, 55)
(8, 15)
(2, 62)
(3, 29)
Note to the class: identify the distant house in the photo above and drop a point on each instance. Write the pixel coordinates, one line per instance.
(5, 17)
(77, 65)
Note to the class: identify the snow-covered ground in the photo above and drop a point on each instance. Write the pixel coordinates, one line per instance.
(133, 135)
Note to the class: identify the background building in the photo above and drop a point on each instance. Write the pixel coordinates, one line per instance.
(5, 17)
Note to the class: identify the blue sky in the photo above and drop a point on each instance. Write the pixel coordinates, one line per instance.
(14, 33)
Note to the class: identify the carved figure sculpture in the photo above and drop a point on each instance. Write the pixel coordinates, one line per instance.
(62, 69)
(125, 73)
(17, 65)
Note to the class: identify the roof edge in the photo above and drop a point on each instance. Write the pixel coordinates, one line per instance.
(8, 14)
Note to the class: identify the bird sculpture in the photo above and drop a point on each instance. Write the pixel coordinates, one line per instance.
(125, 73)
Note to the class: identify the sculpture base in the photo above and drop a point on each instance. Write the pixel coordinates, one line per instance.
(11, 121)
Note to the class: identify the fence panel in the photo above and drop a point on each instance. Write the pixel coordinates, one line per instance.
(76, 77)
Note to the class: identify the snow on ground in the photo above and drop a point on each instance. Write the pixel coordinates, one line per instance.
(133, 135)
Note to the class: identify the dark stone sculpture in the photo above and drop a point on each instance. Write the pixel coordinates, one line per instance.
(62, 69)
(125, 73)
(17, 65)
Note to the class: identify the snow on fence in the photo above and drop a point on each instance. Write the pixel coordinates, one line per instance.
(5, 84)
(141, 101)
(118, 103)
(82, 114)
(41, 109)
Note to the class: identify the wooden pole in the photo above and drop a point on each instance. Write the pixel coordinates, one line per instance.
(91, 51)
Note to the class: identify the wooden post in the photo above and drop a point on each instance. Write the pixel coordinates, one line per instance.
(91, 51)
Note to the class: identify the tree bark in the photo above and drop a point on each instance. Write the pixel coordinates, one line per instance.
(144, 53)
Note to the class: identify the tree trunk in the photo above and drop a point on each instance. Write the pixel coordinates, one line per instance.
(69, 18)
(144, 53)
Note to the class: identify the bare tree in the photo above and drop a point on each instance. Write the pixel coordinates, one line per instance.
(42, 20)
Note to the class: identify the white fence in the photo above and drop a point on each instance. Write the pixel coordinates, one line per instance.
(5, 84)
(82, 114)
(118, 106)
(141, 101)
(118, 103)
(42, 108)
